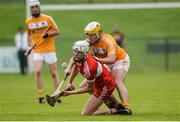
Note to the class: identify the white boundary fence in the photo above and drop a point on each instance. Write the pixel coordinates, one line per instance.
(111, 6)
(106, 6)
(9, 60)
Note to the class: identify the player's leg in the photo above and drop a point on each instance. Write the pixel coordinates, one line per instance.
(91, 105)
(120, 69)
(103, 95)
(51, 59)
(121, 88)
(102, 112)
(113, 102)
(54, 74)
(57, 94)
(38, 67)
(118, 110)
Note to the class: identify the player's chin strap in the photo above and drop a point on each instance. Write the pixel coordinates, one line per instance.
(81, 60)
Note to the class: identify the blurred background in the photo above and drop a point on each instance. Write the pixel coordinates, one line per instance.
(151, 38)
(151, 35)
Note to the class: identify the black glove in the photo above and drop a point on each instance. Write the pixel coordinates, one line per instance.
(45, 35)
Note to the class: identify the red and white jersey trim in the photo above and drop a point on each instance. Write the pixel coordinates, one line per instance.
(99, 72)
(86, 69)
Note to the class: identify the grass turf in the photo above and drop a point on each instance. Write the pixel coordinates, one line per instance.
(152, 97)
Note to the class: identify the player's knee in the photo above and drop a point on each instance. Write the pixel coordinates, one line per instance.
(95, 113)
(85, 113)
(119, 82)
(38, 72)
(81, 85)
(82, 113)
(54, 74)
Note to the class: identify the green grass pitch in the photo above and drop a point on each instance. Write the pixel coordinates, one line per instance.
(154, 94)
(152, 97)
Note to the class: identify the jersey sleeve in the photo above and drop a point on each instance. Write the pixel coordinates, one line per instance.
(110, 46)
(51, 21)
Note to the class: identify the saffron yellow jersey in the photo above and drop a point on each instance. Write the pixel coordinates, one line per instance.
(36, 27)
(107, 46)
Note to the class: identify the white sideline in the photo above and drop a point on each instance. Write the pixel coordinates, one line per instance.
(111, 6)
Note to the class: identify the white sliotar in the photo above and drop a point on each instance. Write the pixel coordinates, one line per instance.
(63, 65)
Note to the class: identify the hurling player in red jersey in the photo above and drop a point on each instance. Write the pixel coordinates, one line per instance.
(100, 81)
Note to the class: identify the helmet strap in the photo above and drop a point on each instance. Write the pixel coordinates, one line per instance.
(35, 15)
(98, 37)
(81, 60)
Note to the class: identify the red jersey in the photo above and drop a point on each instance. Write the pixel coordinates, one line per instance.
(96, 72)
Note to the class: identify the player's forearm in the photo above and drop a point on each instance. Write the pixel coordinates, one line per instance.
(82, 90)
(108, 60)
(29, 40)
(53, 33)
(70, 64)
(73, 74)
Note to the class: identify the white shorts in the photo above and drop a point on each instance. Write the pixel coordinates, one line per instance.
(49, 58)
(121, 64)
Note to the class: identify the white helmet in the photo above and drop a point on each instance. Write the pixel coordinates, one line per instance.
(34, 2)
(81, 46)
(93, 28)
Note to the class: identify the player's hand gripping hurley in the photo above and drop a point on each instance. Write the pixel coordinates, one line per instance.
(58, 90)
(52, 99)
(38, 41)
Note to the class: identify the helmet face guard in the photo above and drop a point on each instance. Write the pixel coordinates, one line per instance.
(93, 31)
(80, 49)
(34, 3)
(93, 28)
(81, 46)
(93, 38)
(35, 8)
(35, 12)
